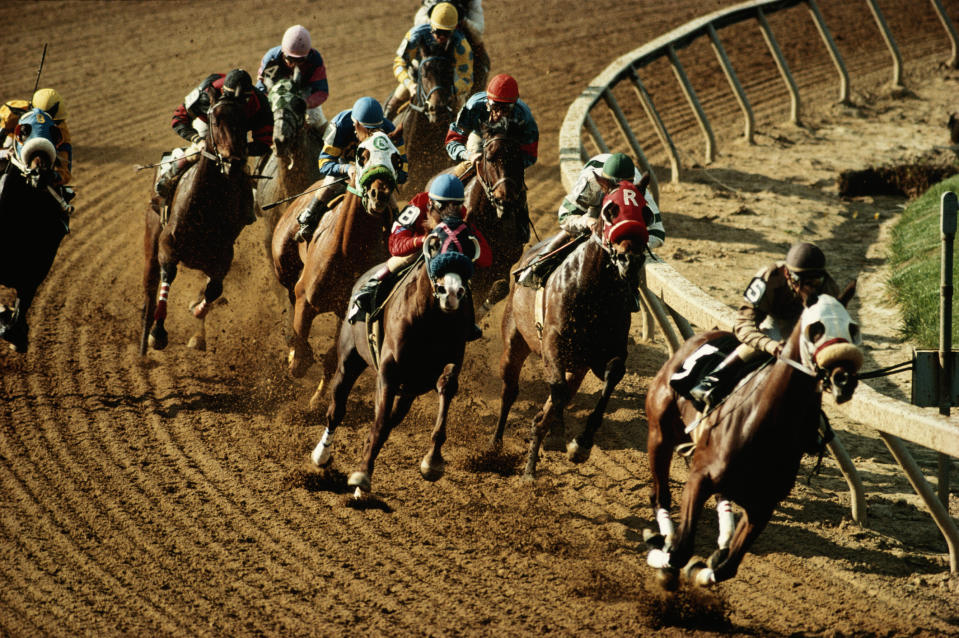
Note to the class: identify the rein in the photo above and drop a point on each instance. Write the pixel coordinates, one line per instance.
(422, 95)
(479, 174)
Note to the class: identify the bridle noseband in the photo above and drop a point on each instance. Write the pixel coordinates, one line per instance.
(421, 103)
(506, 179)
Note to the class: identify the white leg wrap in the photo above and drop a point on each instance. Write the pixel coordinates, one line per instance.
(657, 558)
(665, 523)
(727, 523)
(321, 453)
(705, 577)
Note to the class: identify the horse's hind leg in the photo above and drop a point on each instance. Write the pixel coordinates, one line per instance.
(515, 352)
(580, 447)
(433, 465)
(750, 525)
(379, 432)
(301, 355)
(697, 489)
(17, 333)
(329, 369)
(201, 307)
(158, 335)
(552, 412)
(349, 370)
(151, 277)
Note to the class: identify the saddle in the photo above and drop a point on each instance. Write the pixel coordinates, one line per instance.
(703, 361)
(374, 320)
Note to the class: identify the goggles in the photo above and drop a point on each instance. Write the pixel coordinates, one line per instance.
(293, 59)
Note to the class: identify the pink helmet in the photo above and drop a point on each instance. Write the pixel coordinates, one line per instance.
(297, 42)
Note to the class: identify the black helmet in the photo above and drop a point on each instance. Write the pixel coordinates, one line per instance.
(237, 83)
(806, 259)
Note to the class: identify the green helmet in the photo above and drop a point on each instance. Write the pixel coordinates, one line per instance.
(618, 167)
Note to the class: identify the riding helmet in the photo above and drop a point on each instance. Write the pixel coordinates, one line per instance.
(237, 83)
(502, 88)
(444, 17)
(447, 188)
(619, 167)
(804, 257)
(297, 42)
(50, 101)
(367, 112)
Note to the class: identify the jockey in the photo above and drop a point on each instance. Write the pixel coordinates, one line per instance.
(190, 123)
(425, 211)
(472, 24)
(438, 38)
(500, 100)
(774, 303)
(297, 51)
(47, 100)
(580, 208)
(349, 128)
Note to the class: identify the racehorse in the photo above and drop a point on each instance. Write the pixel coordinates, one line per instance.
(494, 201)
(210, 207)
(577, 323)
(427, 119)
(425, 323)
(751, 444)
(32, 221)
(351, 238)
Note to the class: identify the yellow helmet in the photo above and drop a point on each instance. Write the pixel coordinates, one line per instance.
(51, 102)
(444, 17)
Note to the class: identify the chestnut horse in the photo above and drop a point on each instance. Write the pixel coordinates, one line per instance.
(351, 238)
(427, 119)
(494, 201)
(752, 443)
(32, 222)
(423, 329)
(577, 323)
(210, 207)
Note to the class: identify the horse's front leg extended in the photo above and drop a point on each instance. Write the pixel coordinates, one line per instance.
(580, 447)
(433, 466)
(379, 432)
(750, 525)
(301, 355)
(544, 421)
(200, 308)
(514, 356)
(349, 369)
(697, 489)
(158, 334)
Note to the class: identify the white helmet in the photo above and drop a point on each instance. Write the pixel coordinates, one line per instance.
(297, 42)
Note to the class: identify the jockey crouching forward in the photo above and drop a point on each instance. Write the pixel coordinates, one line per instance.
(443, 204)
(580, 208)
(774, 303)
(438, 38)
(190, 122)
(297, 52)
(464, 138)
(348, 129)
(472, 24)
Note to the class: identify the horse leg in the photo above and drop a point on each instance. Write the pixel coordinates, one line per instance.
(727, 522)
(158, 335)
(17, 333)
(379, 432)
(514, 355)
(433, 465)
(346, 375)
(301, 355)
(752, 523)
(660, 443)
(580, 447)
(671, 559)
(200, 308)
(329, 368)
(552, 413)
(151, 277)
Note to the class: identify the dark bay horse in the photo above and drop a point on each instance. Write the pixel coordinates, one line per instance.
(494, 201)
(351, 238)
(578, 323)
(427, 118)
(751, 444)
(32, 221)
(425, 323)
(210, 207)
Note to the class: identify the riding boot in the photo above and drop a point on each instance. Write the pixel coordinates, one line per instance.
(168, 179)
(364, 301)
(717, 384)
(309, 219)
(536, 274)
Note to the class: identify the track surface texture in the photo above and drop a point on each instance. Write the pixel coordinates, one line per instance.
(171, 494)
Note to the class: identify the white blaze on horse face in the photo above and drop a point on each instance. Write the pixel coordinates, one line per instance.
(381, 151)
(838, 332)
(450, 292)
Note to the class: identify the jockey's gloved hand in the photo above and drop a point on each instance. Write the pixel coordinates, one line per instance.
(410, 86)
(475, 157)
(4, 154)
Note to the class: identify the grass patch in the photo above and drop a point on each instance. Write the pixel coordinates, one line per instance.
(915, 257)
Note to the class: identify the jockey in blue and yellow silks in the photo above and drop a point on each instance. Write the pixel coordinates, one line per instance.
(346, 131)
(49, 101)
(438, 38)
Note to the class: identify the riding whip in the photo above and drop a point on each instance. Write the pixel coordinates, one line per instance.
(140, 167)
(291, 197)
(36, 84)
(543, 258)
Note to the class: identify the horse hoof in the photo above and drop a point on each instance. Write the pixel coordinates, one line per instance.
(697, 572)
(717, 558)
(668, 578)
(158, 341)
(657, 558)
(197, 343)
(321, 455)
(359, 480)
(432, 472)
(577, 453)
(299, 365)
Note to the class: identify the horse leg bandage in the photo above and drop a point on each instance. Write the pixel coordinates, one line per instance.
(727, 523)
(160, 313)
(665, 523)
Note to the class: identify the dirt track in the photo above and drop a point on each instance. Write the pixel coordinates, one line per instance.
(170, 495)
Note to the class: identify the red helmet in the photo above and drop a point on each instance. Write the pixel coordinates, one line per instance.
(502, 88)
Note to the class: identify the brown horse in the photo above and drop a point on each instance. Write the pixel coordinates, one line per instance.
(751, 444)
(495, 200)
(579, 322)
(210, 207)
(351, 238)
(425, 323)
(427, 118)
(32, 223)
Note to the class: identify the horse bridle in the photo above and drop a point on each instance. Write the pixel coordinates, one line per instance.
(215, 156)
(423, 96)
(506, 179)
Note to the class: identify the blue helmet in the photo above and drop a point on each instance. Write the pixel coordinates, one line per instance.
(368, 112)
(447, 188)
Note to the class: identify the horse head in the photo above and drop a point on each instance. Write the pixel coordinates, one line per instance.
(501, 171)
(621, 228)
(227, 136)
(434, 89)
(289, 113)
(377, 166)
(448, 266)
(829, 343)
(35, 139)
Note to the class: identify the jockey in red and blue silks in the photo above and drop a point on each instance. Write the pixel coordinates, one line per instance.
(413, 224)
(296, 51)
